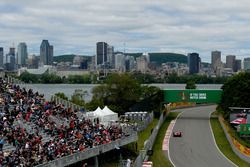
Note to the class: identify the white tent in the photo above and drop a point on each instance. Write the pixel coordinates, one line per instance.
(105, 115)
(109, 115)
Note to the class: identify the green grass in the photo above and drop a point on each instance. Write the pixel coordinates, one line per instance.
(158, 157)
(224, 145)
(144, 135)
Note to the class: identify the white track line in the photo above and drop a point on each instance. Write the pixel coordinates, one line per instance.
(216, 143)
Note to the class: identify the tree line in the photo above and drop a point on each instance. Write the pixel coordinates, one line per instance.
(142, 78)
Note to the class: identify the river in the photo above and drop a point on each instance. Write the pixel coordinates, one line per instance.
(68, 89)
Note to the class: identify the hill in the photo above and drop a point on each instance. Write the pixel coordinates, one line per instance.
(68, 58)
(160, 58)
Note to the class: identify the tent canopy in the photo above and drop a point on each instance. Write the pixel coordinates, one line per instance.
(105, 115)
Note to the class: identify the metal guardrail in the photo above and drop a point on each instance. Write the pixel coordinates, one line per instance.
(71, 159)
(149, 143)
(146, 122)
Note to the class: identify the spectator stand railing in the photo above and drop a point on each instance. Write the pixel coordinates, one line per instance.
(71, 159)
(146, 122)
(149, 142)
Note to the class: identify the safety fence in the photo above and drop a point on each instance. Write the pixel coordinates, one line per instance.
(145, 123)
(92, 152)
(149, 142)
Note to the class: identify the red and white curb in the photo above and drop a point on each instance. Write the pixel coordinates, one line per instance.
(165, 143)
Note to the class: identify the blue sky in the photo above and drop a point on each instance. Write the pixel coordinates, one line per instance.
(180, 26)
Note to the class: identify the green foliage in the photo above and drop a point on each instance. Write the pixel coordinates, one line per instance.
(28, 78)
(50, 78)
(64, 58)
(61, 95)
(144, 78)
(190, 85)
(160, 58)
(199, 79)
(118, 90)
(53, 78)
(151, 98)
(123, 93)
(77, 99)
(236, 92)
(94, 103)
(79, 79)
(68, 58)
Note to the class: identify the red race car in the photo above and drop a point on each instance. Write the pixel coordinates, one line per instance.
(177, 134)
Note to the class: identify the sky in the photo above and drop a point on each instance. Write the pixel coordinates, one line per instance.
(179, 26)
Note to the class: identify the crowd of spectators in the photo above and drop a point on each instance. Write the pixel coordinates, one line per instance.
(19, 105)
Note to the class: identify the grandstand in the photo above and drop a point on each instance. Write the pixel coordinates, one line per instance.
(35, 132)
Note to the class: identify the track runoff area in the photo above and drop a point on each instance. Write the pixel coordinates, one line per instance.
(193, 145)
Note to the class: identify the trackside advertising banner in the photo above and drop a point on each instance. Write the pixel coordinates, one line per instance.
(192, 95)
(245, 129)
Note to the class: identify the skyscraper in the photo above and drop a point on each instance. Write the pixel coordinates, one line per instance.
(101, 53)
(110, 53)
(215, 60)
(237, 65)
(46, 53)
(120, 62)
(10, 62)
(1, 57)
(230, 62)
(142, 64)
(247, 64)
(22, 54)
(194, 63)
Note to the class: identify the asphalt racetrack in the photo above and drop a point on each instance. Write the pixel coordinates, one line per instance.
(196, 147)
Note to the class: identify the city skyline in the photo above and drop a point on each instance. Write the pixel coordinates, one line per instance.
(146, 26)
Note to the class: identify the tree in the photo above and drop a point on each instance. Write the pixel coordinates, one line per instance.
(28, 78)
(61, 95)
(236, 92)
(78, 97)
(118, 90)
(190, 85)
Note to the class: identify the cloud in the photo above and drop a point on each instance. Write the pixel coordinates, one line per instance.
(179, 26)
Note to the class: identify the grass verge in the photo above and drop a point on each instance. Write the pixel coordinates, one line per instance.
(158, 157)
(224, 145)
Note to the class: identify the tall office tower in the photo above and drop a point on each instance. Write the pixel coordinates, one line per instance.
(129, 63)
(10, 62)
(230, 62)
(194, 62)
(46, 53)
(1, 57)
(216, 60)
(12, 51)
(120, 62)
(101, 53)
(110, 53)
(22, 54)
(142, 64)
(247, 64)
(238, 65)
